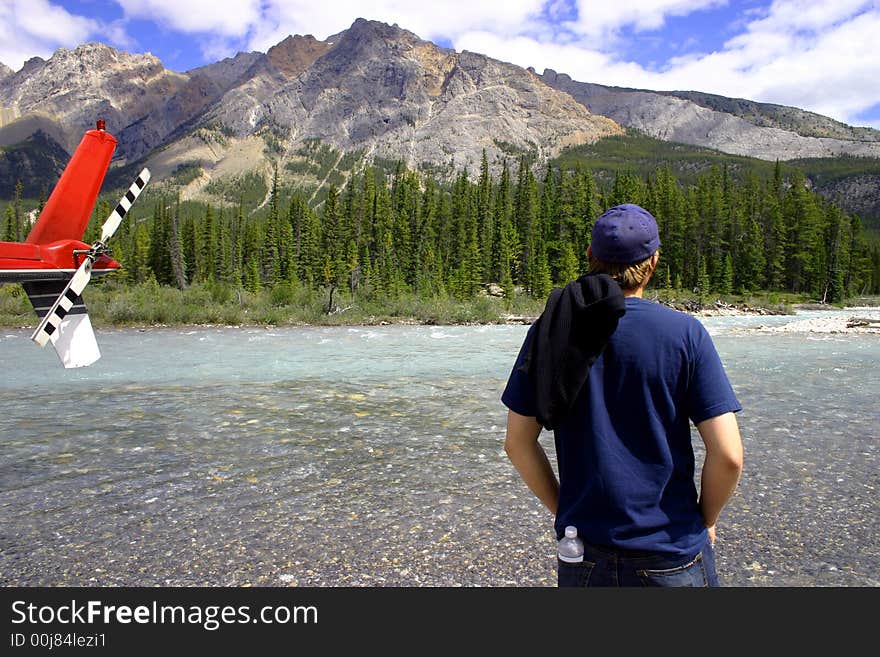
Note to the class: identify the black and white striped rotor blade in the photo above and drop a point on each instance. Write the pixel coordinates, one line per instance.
(63, 304)
(124, 206)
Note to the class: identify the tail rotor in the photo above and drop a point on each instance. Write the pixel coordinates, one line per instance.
(65, 301)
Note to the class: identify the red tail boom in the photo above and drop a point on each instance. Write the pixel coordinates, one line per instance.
(67, 212)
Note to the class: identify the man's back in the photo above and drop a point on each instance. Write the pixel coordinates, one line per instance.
(625, 455)
(626, 463)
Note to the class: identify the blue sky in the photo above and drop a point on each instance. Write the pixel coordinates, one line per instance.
(819, 55)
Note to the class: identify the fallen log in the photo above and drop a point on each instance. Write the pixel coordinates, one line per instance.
(863, 322)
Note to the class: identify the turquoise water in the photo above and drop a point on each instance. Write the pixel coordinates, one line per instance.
(372, 456)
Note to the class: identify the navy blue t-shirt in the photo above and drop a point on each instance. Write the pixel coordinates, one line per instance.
(626, 462)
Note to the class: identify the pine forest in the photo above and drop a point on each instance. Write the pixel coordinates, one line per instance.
(383, 235)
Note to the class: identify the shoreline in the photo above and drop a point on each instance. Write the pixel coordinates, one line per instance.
(865, 319)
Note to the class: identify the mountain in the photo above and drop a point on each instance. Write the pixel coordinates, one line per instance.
(376, 93)
(37, 162)
(142, 102)
(382, 92)
(374, 89)
(734, 126)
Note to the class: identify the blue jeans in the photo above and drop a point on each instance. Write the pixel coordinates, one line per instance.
(605, 567)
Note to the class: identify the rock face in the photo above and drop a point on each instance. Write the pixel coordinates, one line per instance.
(792, 119)
(671, 118)
(74, 87)
(143, 103)
(374, 89)
(297, 53)
(384, 91)
(859, 194)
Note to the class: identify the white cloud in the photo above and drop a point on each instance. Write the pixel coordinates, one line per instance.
(602, 19)
(260, 24)
(429, 20)
(824, 61)
(30, 28)
(230, 19)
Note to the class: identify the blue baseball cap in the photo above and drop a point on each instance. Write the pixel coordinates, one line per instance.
(625, 234)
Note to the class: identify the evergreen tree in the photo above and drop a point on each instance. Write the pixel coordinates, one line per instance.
(429, 276)
(159, 258)
(205, 252)
(627, 188)
(252, 257)
(310, 251)
(387, 275)
(703, 282)
(9, 234)
(333, 244)
(412, 234)
(175, 251)
(140, 255)
(801, 216)
(666, 202)
(188, 242)
(861, 275)
(17, 212)
(225, 270)
(747, 238)
(485, 229)
(775, 241)
(271, 252)
(506, 241)
(466, 258)
(586, 211)
(567, 269)
(837, 244)
(405, 197)
(535, 265)
(725, 281)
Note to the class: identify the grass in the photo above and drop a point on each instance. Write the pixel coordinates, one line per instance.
(150, 304)
(15, 309)
(779, 303)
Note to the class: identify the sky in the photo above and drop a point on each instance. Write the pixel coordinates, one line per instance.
(819, 55)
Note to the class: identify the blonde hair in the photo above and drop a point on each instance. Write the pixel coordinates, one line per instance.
(629, 277)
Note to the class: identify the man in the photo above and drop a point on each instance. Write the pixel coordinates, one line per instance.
(622, 432)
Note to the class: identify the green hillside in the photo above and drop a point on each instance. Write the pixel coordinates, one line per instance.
(851, 182)
(37, 162)
(642, 155)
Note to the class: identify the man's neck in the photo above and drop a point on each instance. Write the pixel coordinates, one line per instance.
(634, 293)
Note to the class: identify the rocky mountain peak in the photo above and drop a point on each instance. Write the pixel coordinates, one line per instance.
(95, 57)
(5, 71)
(367, 39)
(73, 88)
(30, 65)
(296, 53)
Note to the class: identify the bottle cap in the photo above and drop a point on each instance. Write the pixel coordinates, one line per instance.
(571, 531)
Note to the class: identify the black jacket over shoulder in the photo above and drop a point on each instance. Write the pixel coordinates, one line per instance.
(567, 339)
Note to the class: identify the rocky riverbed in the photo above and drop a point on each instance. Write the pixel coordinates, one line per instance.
(373, 456)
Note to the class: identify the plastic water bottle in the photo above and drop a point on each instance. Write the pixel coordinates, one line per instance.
(571, 547)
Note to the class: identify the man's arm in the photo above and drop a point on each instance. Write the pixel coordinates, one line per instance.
(530, 459)
(721, 468)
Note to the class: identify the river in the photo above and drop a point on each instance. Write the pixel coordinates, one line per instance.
(373, 456)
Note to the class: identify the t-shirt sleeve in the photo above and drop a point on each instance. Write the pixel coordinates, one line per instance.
(709, 391)
(519, 395)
